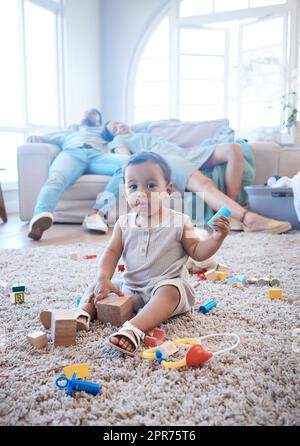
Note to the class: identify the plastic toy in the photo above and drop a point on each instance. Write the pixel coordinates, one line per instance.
(90, 256)
(155, 338)
(222, 267)
(121, 268)
(62, 382)
(274, 282)
(223, 212)
(208, 306)
(233, 279)
(82, 371)
(275, 293)
(196, 355)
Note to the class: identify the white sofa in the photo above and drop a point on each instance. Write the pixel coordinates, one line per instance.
(34, 161)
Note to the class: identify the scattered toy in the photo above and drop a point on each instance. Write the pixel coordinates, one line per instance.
(275, 293)
(63, 327)
(223, 212)
(74, 256)
(38, 339)
(90, 256)
(82, 371)
(115, 309)
(208, 306)
(121, 268)
(71, 385)
(155, 338)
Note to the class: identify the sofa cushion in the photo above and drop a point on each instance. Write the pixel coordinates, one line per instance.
(185, 134)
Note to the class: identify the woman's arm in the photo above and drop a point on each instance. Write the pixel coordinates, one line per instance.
(122, 151)
(201, 250)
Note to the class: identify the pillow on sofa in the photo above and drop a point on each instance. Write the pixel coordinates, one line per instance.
(185, 134)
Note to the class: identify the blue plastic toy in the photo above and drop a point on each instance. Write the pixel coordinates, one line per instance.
(223, 212)
(63, 382)
(234, 279)
(208, 306)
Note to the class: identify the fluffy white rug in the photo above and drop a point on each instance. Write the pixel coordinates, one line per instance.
(257, 384)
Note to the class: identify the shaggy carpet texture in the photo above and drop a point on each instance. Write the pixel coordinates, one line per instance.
(256, 384)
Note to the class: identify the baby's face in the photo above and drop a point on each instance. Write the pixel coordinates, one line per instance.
(145, 188)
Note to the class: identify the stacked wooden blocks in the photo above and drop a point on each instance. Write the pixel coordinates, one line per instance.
(63, 327)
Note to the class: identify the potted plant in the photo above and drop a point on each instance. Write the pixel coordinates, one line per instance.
(289, 109)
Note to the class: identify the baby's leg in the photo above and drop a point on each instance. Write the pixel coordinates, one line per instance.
(87, 304)
(159, 308)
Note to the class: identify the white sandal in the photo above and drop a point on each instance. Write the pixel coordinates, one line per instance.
(45, 318)
(132, 333)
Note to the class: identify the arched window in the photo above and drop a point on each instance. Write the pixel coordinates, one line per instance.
(152, 80)
(214, 59)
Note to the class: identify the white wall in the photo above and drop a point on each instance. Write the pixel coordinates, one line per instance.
(82, 54)
(123, 23)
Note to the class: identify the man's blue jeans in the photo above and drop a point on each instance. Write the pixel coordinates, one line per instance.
(69, 165)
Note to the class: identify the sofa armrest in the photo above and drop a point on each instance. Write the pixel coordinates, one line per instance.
(267, 159)
(33, 167)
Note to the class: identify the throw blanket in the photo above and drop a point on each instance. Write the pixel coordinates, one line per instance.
(217, 173)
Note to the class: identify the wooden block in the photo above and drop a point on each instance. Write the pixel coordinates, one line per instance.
(82, 371)
(211, 275)
(115, 309)
(238, 285)
(221, 275)
(38, 339)
(74, 256)
(275, 293)
(221, 267)
(63, 327)
(17, 298)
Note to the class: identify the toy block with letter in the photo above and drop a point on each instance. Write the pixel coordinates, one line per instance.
(115, 309)
(38, 339)
(63, 327)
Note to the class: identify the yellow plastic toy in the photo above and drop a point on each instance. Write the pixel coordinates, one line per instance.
(82, 371)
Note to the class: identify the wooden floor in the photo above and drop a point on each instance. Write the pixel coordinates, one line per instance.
(13, 234)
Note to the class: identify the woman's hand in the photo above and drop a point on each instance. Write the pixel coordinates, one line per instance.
(103, 288)
(221, 226)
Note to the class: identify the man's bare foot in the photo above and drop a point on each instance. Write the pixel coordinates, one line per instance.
(257, 223)
(123, 342)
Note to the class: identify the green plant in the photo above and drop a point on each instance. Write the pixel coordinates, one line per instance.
(289, 109)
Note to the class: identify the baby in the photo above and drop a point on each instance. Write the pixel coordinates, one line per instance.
(155, 243)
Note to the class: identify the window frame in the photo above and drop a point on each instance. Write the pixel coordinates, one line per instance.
(56, 8)
(290, 41)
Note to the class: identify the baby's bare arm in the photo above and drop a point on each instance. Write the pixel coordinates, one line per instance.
(201, 250)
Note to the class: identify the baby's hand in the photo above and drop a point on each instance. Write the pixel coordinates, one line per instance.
(221, 226)
(103, 288)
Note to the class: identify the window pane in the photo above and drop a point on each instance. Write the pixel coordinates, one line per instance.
(11, 98)
(230, 5)
(42, 88)
(154, 69)
(263, 34)
(142, 114)
(201, 92)
(200, 113)
(202, 41)
(261, 62)
(158, 44)
(260, 88)
(201, 67)
(8, 155)
(152, 94)
(261, 114)
(258, 3)
(195, 7)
